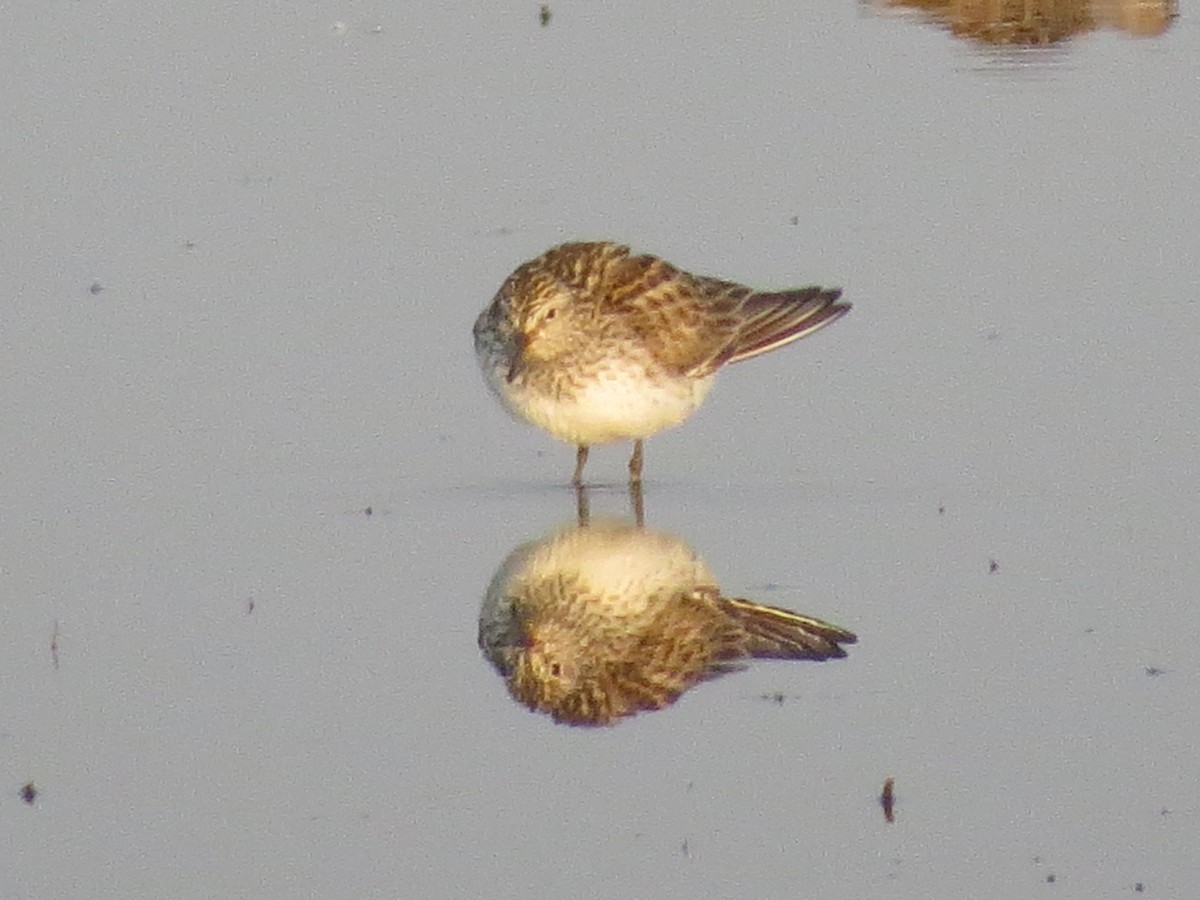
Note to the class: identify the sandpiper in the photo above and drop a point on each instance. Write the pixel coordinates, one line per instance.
(595, 344)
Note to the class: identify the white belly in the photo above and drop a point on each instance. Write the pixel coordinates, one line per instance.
(612, 406)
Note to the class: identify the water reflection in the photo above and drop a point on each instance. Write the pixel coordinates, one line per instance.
(595, 622)
(1040, 22)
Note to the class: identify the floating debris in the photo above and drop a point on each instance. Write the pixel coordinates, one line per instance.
(887, 799)
(29, 793)
(993, 567)
(96, 288)
(544, 14)
(54, 645)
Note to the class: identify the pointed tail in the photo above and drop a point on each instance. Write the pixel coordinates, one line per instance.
(776, 633)
(773, 319)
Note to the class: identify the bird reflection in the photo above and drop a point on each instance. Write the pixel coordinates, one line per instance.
(594, 623)
(583, 503)
(1041, 22)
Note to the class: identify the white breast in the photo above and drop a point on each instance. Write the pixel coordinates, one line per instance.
(612, 405)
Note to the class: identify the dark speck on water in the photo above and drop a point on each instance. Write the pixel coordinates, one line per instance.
(96, 287)
(544, 15)
(29, 793)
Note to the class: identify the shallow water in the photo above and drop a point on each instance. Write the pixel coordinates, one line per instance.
(244, 252)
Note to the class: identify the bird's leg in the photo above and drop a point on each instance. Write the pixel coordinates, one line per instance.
(635, 500)
(581, 456)
(583, 509)
(635, 463)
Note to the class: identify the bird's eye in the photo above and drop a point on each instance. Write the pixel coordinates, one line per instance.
(555, 669)
(551, 313)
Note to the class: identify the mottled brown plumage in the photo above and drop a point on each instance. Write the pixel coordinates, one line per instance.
(593, 624)
(595, 344)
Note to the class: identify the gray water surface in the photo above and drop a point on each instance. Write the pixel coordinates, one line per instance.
(243, 248)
